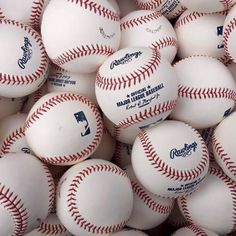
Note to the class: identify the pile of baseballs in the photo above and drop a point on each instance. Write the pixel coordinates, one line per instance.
(117, 117)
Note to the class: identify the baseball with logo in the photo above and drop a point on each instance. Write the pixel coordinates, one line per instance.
(170, 159)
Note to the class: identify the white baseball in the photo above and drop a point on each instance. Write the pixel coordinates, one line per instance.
(10, 106)
(223, 143)
(23, 62)
(12, 135)
(213, 205)
(193, 230)
(170, 159)
(63, 128)
(94, 197)
(60, 80)
(27, 193)
(149, 210)
(129, 232)
(82, 48)
(50, 227)
(209, 6)
(106, 148)
(149, 28)
(122, 155)
(206, 97)
(141, 87)
(28, 12)
(169, 8)
(205, 39)
(230, 33)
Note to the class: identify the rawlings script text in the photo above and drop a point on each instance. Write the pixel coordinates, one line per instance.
(27, 53)
(183, 152)
(127, 58)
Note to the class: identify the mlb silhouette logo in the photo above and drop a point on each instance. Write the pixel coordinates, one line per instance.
(82, 120)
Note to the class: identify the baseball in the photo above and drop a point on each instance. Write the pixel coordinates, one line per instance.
(68, 126)
(212, 206)
(122, 155)
(94, 197)
(129, 232)
(206, 97)
(230, 33)
(126, 7)
(85, 47)
(157, 32)
(50, 227)
(193, 230)
(24, 69)
(141, 87)
(223, 143)
(12, 135)
(209, 6)
(170, 159)
(27, 193)
(28, 12)
(60, 80)
(10, 106)
(208, 26)
(149, 210)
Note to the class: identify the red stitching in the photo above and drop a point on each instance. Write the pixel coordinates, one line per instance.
(147, 199)
(16, 208)
(227, 4)
(47, 228)
(203, 93)
(198, 231)
(47, 105)
(1, 14)
(149, 4)
(134, 77)
(84, 50)
(26, 79)
(139, 20)
(227, 31)
(36, 12)
(193, 16)
(164, 168)
(51, 186)
(225, 158)
(72, 199)
(11, 139)
(147, 113)
(184, 207)
(97, 9)
(164, 42)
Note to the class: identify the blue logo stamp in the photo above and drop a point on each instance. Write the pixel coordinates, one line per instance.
(81, 119)
(187, 150)
(27, 53)
(125, 59)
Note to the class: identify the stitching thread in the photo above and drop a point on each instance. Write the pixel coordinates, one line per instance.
(25, 79)
(72, 199)
(139, 20)
(84, 50)
(164, 168)
(226, 4)
(194, 16)
(16, 208)
(151, 203)
(97, 9)
(227, 32)
(198, 231)
(52, 102)
(147, 113)
(164, 42)
(36, 12)
(128, 80)
(11, 139)
(225, 158)
(203, 93)
(47, 228)
(149, 4)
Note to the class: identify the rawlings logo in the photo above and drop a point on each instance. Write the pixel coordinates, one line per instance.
(183, 152)
(27, 53)
(127, 58)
